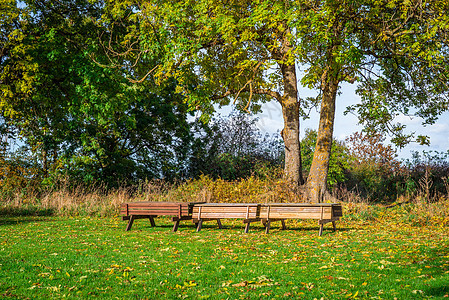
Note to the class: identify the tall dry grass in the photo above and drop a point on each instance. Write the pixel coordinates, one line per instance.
(103, 202)
(415, 209)
(69, 202)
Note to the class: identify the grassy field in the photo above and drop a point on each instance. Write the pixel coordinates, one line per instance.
(93, 257)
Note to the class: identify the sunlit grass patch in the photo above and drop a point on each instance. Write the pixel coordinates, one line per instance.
(44, 257)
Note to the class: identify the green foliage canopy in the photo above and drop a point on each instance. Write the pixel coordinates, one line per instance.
(396, 52)
(218, 51)
(95, 122)
(222, 51)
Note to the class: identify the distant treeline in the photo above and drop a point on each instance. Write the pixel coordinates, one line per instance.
(230, 148)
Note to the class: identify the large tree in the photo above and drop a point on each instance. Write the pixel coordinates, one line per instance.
(221, 51)
(246, 51)
(395, 50)
(77, 114)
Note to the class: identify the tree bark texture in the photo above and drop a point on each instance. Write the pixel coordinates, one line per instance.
(45, 162)
(316, 186)
(290, 133)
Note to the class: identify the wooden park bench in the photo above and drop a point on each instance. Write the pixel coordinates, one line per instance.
(323, 212)
(249, 212)
(150, 210)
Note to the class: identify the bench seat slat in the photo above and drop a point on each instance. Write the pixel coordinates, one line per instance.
(145, 204)
(295, 216)
(155, 212)
(138, 210)
(212, 215)
(226, 211)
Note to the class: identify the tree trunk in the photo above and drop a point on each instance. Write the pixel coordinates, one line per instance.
(290, 133)
(44, 162)
(316, 186)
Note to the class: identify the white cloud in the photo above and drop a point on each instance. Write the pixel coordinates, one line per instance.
(438, 128)
(408, 120)
(270, 125)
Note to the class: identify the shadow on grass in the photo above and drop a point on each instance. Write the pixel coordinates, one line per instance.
(25, 211)
(438, 270)
(5, 221)
(314, 228)
(440, 290)
(235, 225)
(28, 214)
(273, 229)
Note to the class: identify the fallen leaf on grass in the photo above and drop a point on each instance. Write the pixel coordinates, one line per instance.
(190, 283)
(54, 288)
(241, 284)
(352, 296)
(226, 283)
(186, 284)
(256, 282)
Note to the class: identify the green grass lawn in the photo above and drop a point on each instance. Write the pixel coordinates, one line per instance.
(55, 257)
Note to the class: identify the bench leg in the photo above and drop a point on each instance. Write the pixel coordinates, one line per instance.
(198, 227)
(283, 225)
(333, 224)
(321, 230)
(219, 224)
(176, 225)
(130, 223)
(247, 227)
(267, 227)
(153, 224)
